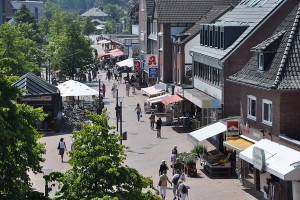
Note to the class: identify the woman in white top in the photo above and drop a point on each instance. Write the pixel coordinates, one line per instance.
(138, 110)
(62, 147)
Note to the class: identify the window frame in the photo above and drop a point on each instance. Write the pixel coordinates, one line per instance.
(261, 62)
(249, 107)
(270, 113)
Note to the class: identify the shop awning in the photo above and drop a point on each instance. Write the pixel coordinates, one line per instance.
(103, 42)
(128, 62)
(155, 89)
(280, 160)
(238, 144)
(201, 99)
(171, 99)
(156, 99)
(208, 131)
(100, 55)
(115, 54)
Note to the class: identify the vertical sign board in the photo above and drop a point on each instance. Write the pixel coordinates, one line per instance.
(258, 156)
(137, 65)
(232, 128)
(153, 72)
(152, 64)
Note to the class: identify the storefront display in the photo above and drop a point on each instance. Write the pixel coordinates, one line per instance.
(216, 162)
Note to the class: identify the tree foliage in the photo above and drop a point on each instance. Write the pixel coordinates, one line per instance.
(88, 26)
(17, 50)
(72, 50)
(19, 147)
(23, 15)
(97, 170)
(110, 27)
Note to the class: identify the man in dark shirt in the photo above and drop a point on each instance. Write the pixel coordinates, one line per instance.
(163, 167)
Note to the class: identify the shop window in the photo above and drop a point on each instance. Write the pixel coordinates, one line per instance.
(248, 172)
(251, 107)
(267, 112)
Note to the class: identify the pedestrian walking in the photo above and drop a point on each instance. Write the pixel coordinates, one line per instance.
(178, 166)
(114, 90)
(163, 184)
(158, 127)
(175, 181)
(133, 88)
(138, 111)
(163, 167)
(103, 89)
(174, 150)
(182, 190)
(152, 121)
(120, 77)
(127, 88)
(62, 148)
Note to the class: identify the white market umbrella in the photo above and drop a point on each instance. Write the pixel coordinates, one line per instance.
(75, 88)
(128, 62)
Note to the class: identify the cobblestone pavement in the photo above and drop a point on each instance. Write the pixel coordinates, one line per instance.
(146, 152)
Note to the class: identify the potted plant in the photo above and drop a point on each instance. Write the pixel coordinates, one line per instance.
(199, 150)
(189, 160)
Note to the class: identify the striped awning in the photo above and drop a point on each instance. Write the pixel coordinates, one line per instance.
(171, 99)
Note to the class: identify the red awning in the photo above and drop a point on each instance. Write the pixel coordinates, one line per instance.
(171, 99)
(100, 55)
(116, 54)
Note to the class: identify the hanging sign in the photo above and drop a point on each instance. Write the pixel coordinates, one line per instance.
(137, 65)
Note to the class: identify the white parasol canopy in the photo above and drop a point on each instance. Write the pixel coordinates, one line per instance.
(128, 62)
(75, 88)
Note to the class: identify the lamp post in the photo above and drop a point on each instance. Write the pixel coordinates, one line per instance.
(46, 173)
(117, 106)
(121, 134)
(100, 103)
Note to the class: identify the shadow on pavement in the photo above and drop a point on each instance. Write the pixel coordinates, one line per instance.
(181, 129)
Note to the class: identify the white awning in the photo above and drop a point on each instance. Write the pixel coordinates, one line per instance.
(155, 89)
(127, 62)
(156, 99)
(103, 42)
(208, 131)
(280, 160)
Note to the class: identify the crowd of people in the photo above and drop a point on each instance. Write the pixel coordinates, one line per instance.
(180, 189)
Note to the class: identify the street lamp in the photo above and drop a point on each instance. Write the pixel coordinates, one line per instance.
(117, 106)
(121, 134)
(46, 173)
(100, 103)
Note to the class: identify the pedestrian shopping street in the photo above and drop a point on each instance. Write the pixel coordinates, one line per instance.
(146, 151)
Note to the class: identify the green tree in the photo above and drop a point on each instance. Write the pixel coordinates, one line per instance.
(88, 26)
(23, 15)
(110, 27)
(20, 150)
(97, 170)
(115, 11)
(17, 51)
(72, 50)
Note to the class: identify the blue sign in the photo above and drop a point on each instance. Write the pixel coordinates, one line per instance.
(153, 72)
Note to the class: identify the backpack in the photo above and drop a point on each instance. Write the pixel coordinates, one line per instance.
(175, 180)
(184, 189)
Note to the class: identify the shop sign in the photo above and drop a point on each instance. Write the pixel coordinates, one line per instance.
(258, 156)
(232, 128)
(36, 98)
(153, 72)
(151, 60)
(251, 133)
(137, 65)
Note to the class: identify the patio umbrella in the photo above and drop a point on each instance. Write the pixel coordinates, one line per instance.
(75, 88)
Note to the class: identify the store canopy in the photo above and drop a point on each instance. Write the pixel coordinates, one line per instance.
(207, 131)
(75, 88)
(128, 63)
(100, 55)
(156, 99)
(103, 42)
(171, 99)
(280, 160)
(116, 53)
(237, 144)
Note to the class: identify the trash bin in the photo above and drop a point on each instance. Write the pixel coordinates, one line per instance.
(124, 135)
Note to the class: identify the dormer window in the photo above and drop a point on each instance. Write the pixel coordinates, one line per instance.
(261, 62)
